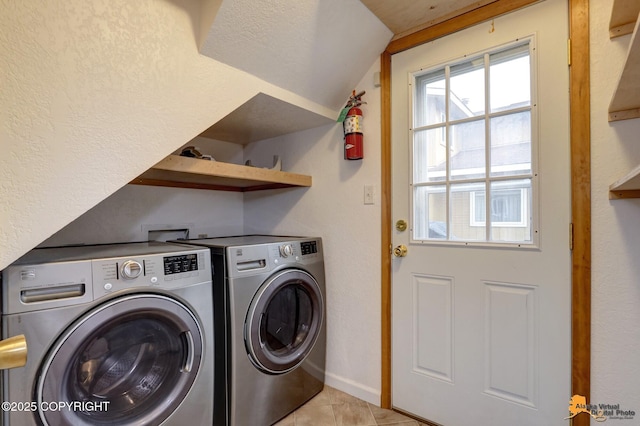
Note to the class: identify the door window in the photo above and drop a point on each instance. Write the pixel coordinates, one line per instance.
(473, 169)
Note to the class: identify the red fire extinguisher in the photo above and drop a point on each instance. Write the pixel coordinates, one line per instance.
(352, 124)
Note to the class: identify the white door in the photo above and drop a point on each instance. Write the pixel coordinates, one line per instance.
(481, 172)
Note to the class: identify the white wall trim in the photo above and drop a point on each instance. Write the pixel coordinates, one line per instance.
(358, 390)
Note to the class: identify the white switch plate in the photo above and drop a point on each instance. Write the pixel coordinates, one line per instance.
(368, 194)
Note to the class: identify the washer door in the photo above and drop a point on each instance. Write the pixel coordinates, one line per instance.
(284, 321)
(129, 361)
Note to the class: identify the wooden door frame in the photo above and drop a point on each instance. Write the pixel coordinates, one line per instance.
(580, 142)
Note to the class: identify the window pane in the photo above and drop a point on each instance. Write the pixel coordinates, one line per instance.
(509, 79)
(466, 97)
(511, 144)
(464, 205)
(510, 211)
(430, 213)
(429, 155)
(467, 150)
(479, 208)
(430, 99)
(506, 206)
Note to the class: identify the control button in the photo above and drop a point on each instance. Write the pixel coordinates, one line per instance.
(154, 280)
(108, 286)
(131, 269)
(286, 250)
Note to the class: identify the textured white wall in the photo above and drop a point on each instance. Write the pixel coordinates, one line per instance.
(333, 209)
(129, 213)
(133, 210)
(316, 48)
(615, 229)
(93, 94)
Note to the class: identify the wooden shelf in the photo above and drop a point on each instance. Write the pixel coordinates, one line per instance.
(627, 186)
(186, 172)
(625, 103)
(261, 117)
(623, 17)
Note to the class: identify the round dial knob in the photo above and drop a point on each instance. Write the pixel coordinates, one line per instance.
(286, 250)
(131, 269)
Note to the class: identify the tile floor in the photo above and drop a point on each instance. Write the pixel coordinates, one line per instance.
(332, 407)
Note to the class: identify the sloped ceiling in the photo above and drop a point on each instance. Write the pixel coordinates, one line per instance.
(318, 49)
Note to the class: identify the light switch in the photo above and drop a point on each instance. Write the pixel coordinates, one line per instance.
(368, 194)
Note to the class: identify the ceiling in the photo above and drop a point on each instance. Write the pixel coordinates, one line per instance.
(406, 16)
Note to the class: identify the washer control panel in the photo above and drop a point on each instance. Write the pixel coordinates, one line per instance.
(167, 271)
(68, 279)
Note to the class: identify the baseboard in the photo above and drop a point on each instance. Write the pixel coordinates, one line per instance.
(358, 390)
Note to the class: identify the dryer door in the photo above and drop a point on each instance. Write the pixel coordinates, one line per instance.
(129, 361)
(284, 321)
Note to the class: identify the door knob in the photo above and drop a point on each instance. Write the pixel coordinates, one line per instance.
(13, 352)
(400, 251)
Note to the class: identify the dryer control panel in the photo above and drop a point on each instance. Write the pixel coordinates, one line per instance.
(298, 250)
(252, 259)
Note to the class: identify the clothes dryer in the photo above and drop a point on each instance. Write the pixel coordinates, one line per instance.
(269, 302)
(116, 334)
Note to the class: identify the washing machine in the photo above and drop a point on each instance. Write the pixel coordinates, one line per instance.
(269, 304)
(116, 334)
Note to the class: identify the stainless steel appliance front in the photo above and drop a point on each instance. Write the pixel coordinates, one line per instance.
(269, 293)
(116, 334)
